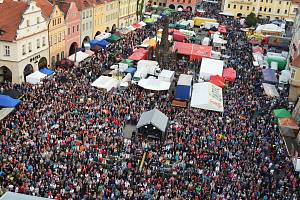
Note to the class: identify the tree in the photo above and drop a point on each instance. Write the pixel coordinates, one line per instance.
(251, 19)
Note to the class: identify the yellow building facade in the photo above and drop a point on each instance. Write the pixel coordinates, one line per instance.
(111, 18)
(98, 18)
(56, 28)
(127, 14)
(273, 9)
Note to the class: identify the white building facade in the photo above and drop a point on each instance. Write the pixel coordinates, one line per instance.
(29, 49)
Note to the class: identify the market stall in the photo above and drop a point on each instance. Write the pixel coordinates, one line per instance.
(210, 67)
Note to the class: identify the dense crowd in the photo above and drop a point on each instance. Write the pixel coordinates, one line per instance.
(65, 141)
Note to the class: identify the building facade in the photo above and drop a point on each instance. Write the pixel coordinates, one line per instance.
(98, 18)
(184, 4)
(23, 40)
(127, 13)
(273, 9)
(72, 31)
(111, 15)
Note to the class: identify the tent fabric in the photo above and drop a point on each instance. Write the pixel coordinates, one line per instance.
(177, 36)
(131, 70)
(105, 82)
(229, 74)
(217, 80)
(4, 112)
(142, 23)
(269, 28)
(113, 38)
(154, 84)
(210, 67)
(47, 71)
(166, 75)
(183, 48)
(154, 117)
(103, 36)
(8, 102)
(185, 79)
(270, 90)
(138, 56)
(18, 196)
(151, 42)
(35, 77)
(128, 62)
(282, 113)
(80, 56)
(288, 122)
(136, 25)
(207, 96)
(193, 50)
(269, 76)
(149, 21)
(222, 29)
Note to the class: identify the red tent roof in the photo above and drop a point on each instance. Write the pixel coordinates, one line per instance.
(222, 29)
(195, 51)
(217, 80)
(177, 36)
(229, 74)
(136, 25)
(138, 56)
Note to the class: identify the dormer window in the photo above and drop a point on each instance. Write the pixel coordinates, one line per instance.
(2, 32)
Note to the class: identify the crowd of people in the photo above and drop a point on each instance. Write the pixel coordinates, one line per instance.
(65, 140)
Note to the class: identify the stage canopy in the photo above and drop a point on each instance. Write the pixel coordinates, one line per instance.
(80, 56)
(217, 80)
(269, 76)
(8, 102)
(47, 71)
(207, 96)
(154, 117)
(270, 90)
(195, 51)
(229, 74)
(154, 84)
(210, 67)
(105, 82)
(35, 77)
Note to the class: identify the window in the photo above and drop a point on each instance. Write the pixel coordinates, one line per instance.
(260, 8)
(293, 72)
(6, 50)
(270, 9)
(271, 1)
(55, 39)
(278, 10)
(248, 7)
(241, 7)
(90, 13)
(27, 22)
(59, 37)
(285, 11)
(265, 9)
(83, 27)
(62, 55)
(90, 25)
(38, 43)
(87, 26)
(29, 47)
(279, 2)
(183, 2)
(63, 35)
(266, 1)
(44, 41)
(73, 29)
(261, 0)
(83, 15)
(69, 31)
(37, 20)
(189, 1)
(253, 9)
(77, 27)
(234, 6)
(287, 3)
(228, 6)
(23, 49)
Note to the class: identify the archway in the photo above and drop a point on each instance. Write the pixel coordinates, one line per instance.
(85, 40)
(97, 33)
(42, 63)
(172, 6)
(189, 8)
(27, 70)
(113, 28)
(5, 74)
(73, 48)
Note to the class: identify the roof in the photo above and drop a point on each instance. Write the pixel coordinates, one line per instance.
(64, 7)
(17, 196)
(185, 79)
(11, 16)
(296, 61)
(154, 117)
(45, 6)
(82, 4)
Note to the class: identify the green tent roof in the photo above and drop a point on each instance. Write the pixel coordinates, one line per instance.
(172, 25)
(149, 20)
(282, 113)
(128, 62)
(113, 38)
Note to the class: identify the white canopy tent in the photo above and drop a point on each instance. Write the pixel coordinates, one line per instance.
(80, 56)
(269, 28)
(120, 66)
(207, 96)
(166, 75)
(211, 67)
(105, 82)
(35, 77)
(154, 84)
(103, 36)
(270, 90)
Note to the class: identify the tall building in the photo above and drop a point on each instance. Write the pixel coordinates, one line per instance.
(23, 40)
(98, 18)
(56, 30)
(127, 12)
(273, 9)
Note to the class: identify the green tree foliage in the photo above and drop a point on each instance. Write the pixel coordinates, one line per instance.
(251, 20)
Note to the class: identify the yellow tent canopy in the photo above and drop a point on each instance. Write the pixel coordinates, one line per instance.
(151, 42)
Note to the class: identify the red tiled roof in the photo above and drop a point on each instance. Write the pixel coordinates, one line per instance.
(81, 4)
(296, 62)
(45, 6)
(63, 6)
(10, 18)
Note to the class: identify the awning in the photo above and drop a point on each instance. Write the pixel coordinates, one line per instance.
(113, 38)
(177, 36)
(210, 67)
(269, 76)
(80, 56)
(154, 84)
(101, 43)
(217, 80)
(8, 102)
(136, 25)
(35, 77)
(270, 90)
(229, 74)
(138, 56)
(105, 82)
(47, 71)
(151, 42)
(193, 50)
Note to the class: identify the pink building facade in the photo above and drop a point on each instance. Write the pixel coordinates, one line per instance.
(72, 32)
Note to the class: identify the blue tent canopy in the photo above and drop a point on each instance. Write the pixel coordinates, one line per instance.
(269, 76)
(131, 70)
(8, 102)
(47, 71)
(101, 43)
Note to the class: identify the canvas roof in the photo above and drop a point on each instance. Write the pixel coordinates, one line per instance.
(270, 90)
(154, 117)
(185, 79)
(18, 196)
(194, 50)
(211, 67)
